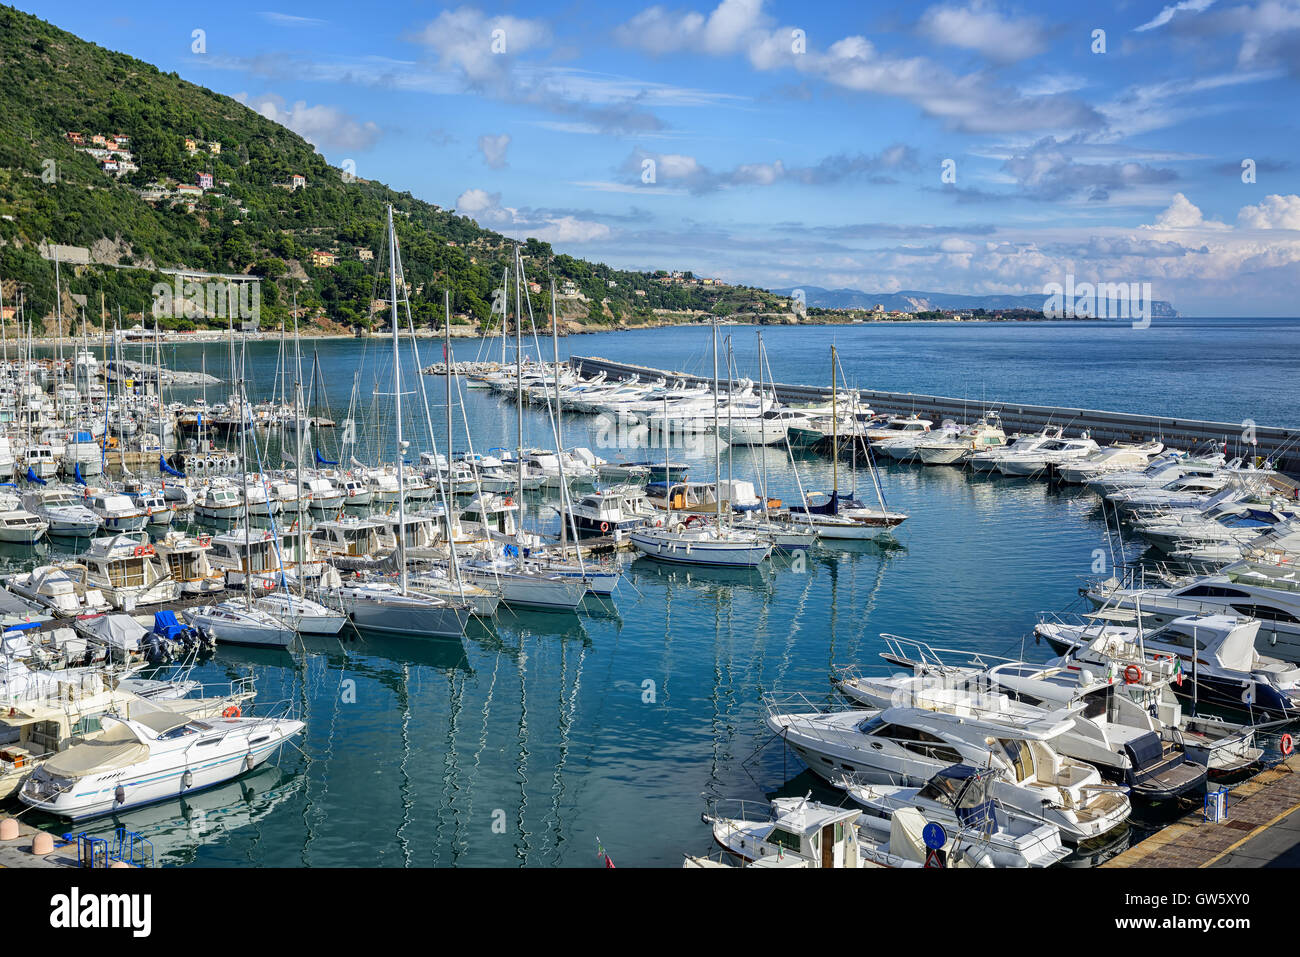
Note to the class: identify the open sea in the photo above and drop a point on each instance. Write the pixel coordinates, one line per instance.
(531, 740)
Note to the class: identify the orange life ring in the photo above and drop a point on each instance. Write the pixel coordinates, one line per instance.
(509, 502)
(232, 712)
(604, 526)
(1286, 745)
(1132, 675)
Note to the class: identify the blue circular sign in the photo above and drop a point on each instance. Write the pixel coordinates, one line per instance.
(935, 836)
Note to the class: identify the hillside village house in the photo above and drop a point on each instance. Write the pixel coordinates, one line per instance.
(297, 181)
(364, 254)
(191, 147)
(214, 148)
(76, 139)
(204, 180)
(322, 258)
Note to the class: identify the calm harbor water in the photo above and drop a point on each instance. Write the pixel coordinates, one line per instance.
(529, 740)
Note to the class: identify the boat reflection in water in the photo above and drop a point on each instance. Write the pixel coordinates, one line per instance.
(180, 827)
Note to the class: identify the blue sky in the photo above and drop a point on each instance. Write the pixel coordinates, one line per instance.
(797, 144)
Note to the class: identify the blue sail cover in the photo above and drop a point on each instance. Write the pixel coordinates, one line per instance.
(33, 477)
(167, 469)
(321, 460)
(76, 474)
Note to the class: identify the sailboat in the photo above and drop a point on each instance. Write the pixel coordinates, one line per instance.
(242, 621)
(376, 604)
(840, 517)
(694, 541)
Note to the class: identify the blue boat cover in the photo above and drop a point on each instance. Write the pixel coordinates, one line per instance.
(321, 460)
(166, 625)
(33, 477)
(167, 469)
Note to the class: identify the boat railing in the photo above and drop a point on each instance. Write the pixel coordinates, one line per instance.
(787, 702)
(922, 657)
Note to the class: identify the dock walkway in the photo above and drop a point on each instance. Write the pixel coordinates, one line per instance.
(1261, 827)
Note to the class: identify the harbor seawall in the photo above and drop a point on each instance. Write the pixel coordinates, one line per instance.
(1280, 444)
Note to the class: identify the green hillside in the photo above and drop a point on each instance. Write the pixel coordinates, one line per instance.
(53, 83)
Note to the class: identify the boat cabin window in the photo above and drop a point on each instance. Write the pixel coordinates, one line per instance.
(783, 838)
(180, 732)
(1096, 704)
(1211, 591)
(1265, 613)
(1017, 752)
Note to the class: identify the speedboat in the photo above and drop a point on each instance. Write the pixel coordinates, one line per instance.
(902, 745)
(129, 573)
(987, 459)
(1227, 669)
(151, 757)
(63, 509)
(17, 525)
(1051, 453)
(960, 800)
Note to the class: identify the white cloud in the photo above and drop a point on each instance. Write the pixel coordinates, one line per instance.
(1167, 14)
(486, 209)
(289, 20)
(981, 28)
(1184, 214)
(320, 125)
(493, 149)
(1275, 212)
(466, 40)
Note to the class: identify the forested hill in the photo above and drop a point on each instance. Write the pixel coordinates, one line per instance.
(104, 152)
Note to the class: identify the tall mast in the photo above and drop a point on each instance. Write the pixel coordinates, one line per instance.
(298, 413)
(717, 452)
(397, 400)
(519, 403)
(762, 420)
(449, 494)
(835, 438)
(559, 424)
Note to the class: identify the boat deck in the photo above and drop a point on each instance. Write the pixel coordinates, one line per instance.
(1259, 828)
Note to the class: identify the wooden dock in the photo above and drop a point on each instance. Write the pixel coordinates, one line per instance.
(1255, 806)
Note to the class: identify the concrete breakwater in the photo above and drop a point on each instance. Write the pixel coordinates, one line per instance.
(1279, 444)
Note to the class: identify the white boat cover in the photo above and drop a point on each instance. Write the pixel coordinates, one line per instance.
(117, 748)
(118, 631)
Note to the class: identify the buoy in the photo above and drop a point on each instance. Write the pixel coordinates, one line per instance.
(1132, 674)
(604, 526)
(188, 780)
(1287, 745)
(232, 712)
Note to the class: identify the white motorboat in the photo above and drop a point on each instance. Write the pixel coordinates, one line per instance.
(960, 799)
(129, 573)
(151, 757)
(987, 459)
(186, 558)
(1051, 453)
(64, 588)
(1261, 588)
(219, 501)
(904, 745)
(63, 509)
(17, 525)
(1118, 457)
(1226, 671)
(983, 435)
(117, 513)
(619, 508)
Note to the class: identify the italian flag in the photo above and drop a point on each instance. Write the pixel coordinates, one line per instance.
(1178, 672)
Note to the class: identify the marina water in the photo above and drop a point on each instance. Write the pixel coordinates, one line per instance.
(530, 739)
